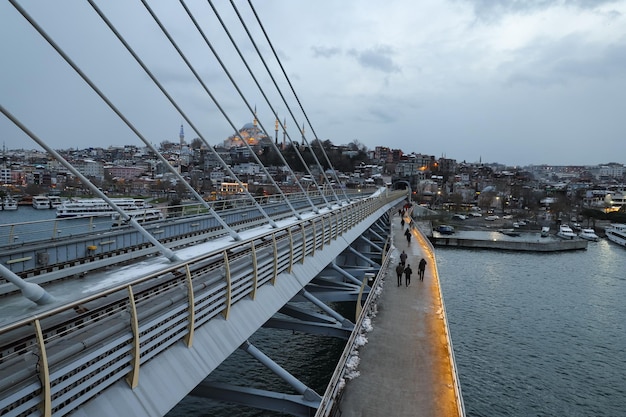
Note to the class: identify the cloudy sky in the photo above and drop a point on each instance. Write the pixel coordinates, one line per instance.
(511, 81)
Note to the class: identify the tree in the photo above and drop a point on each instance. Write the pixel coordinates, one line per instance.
(196, 143)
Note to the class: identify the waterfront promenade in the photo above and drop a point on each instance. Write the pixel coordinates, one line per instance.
(406, 368)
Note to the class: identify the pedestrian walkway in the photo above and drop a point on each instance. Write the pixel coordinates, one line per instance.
(406, 367)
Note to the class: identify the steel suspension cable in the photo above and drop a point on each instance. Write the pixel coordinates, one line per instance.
(266, 100)
(283, 97)
(217, 104)
(254, 155)
(294, 92)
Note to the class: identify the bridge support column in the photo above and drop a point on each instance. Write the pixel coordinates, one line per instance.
(341, 319)
(360, 255)
(371, 243)
(372, 231)
(295, 383)
(347, 275)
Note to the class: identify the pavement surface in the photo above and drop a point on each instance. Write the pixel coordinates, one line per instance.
(405, 367)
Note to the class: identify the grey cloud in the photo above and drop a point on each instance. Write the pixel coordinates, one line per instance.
(382, 115)
(494, 9)
(560, 63)
(321, 51)
(378, 58)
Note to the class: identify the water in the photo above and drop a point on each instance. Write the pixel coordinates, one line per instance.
(27, 224)
(538, 334)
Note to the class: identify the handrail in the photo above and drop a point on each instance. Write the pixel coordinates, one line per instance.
(457, 380)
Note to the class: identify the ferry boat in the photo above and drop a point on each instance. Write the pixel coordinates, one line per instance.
(565, 232)
(589, 234)
(97, 207)
(9, 203)
(617, 233)
(141, 215)
(41, 202)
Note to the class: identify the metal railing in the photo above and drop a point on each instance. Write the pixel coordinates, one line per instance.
(457, 381)
(53, 362)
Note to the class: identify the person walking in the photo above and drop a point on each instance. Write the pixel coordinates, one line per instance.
(421, 269)
(407, 275)
(403, 257)
(399, 271)
(407, 233)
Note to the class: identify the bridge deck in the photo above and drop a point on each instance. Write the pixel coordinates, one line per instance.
(405, 366)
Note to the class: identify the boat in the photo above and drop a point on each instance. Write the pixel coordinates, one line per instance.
(616, 233)
(444, 229)
(565, 232)
(589, 234)
(55, 201)
(9, 203)
(141, 215)
(509, 232)
(41, 202)
(545, 231)
(97, 207)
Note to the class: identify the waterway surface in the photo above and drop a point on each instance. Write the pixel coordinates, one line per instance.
(538, 334)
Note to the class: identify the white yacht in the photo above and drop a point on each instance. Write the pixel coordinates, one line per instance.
(97, 207)
(55, 201)
(566, 232)
(589, 234)
(41, 202)
(617, 233)
(9, 203)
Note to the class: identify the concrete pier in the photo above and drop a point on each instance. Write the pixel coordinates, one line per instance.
(407, 366)
(526, 241)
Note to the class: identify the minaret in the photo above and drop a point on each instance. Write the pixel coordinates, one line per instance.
(181, 136)
(276, 132)
(284, 132)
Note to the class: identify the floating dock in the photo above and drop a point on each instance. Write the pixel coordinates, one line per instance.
(526, 241)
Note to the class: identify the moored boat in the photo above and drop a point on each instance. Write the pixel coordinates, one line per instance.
(41, 202)
(616, 232)
(589, 234)
(444, 229)
(565, 232)
(545, 231)
(9, 203)
(97, 207)
(55, 201)
(509, 232)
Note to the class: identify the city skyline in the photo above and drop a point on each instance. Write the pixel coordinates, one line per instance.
(532, 84)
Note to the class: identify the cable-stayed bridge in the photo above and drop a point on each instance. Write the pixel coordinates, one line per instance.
(130, 319)
(113, 335)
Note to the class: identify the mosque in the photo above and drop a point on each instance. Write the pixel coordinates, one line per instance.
(250, 132)
(253, 135)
